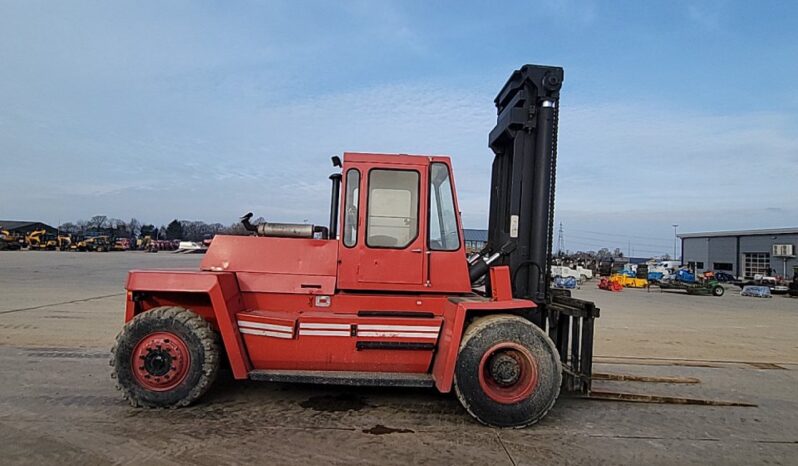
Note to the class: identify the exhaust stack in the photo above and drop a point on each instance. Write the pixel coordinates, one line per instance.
(335, 197)
(283, 230)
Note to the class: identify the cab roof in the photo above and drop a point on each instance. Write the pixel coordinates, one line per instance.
(399, 159)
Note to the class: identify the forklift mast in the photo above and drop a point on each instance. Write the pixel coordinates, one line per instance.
(521, 218)
(522, 184)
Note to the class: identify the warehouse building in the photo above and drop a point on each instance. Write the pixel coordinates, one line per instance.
(22, 228)
(475, 240)
(743, 253)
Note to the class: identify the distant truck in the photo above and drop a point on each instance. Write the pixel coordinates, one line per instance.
(666, 268)
(670, 265)
(580, 273)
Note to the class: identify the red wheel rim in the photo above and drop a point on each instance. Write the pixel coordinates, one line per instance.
(160, 361)
(508, 373)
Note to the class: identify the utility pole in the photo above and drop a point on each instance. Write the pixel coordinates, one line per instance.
(675, 241)
(560, 241)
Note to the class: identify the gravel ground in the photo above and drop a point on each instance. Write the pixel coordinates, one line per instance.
(59, 313)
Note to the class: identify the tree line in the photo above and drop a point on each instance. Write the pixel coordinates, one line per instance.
(186, 230)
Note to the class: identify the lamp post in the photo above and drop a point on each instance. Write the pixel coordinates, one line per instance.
(675, 241)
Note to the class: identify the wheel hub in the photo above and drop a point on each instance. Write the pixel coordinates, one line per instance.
(157, 362)
(160, 361)
(508, 373)
(504, 369)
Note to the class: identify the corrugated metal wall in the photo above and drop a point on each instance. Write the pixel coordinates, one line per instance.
(723, 249)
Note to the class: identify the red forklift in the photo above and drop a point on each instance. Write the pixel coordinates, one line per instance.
(385, 294)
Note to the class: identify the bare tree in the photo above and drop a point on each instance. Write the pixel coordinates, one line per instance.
(97, 222)
(134, 226)
(83, 225)
(118, 226)
(69, 228)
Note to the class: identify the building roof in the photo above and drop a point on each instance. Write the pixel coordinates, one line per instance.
(638, 260)
(16, 224)
(475, 235)
(762, 232)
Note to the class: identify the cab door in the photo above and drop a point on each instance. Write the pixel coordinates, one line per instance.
(393, 250)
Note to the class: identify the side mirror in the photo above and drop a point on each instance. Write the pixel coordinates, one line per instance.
(336, 161)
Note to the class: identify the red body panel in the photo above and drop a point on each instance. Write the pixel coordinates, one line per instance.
(285, 256)
(308, 304)
(501, 284)
(279, 283)
(328, 341)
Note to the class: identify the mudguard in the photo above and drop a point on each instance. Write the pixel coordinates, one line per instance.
(221, 289)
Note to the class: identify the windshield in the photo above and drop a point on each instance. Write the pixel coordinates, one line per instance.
(443, 232)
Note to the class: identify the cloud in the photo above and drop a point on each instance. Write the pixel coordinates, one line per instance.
(705, 14)
(157, 112)
(583, 12)
(654, 155)
(634, 163)
(637, 168)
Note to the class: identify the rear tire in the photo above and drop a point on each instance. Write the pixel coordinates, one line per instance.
(508, 371)
(167, 357)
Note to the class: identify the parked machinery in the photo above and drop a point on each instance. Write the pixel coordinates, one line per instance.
(8, 241)
(687, 282)
(625, 281)
(59, 242)
(35, 239)
(121, 244)
(147, 243)
(388, 301)
(99, 243)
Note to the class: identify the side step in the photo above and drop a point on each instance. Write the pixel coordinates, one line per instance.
(371, 379)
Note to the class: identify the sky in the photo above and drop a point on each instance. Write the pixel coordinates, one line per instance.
(672, 112)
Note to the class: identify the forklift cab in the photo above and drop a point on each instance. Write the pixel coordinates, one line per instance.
(400, 225)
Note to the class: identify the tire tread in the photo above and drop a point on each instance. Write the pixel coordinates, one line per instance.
(197, 325)
(481, 323)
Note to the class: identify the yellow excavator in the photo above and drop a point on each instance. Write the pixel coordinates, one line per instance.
(60, 242)
(8, 241)
(35, 239)
(93, 243)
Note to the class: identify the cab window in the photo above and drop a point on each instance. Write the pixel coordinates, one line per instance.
(392, 215)
(351, 210)
(443, 232)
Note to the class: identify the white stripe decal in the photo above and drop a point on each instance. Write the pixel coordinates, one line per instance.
(278, 328)
(412, 328)
(324, 326)
(265, 333)
(433, 336)
(324, 333)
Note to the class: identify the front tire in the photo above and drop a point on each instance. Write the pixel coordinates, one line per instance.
(166, 357)
(717, 290)
(508, 371)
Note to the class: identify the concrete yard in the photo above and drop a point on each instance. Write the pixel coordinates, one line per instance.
(59, 313)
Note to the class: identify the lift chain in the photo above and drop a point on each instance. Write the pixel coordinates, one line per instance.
(554, 127)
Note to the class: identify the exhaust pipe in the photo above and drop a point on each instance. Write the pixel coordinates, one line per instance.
(282, 230)
(335, 204)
